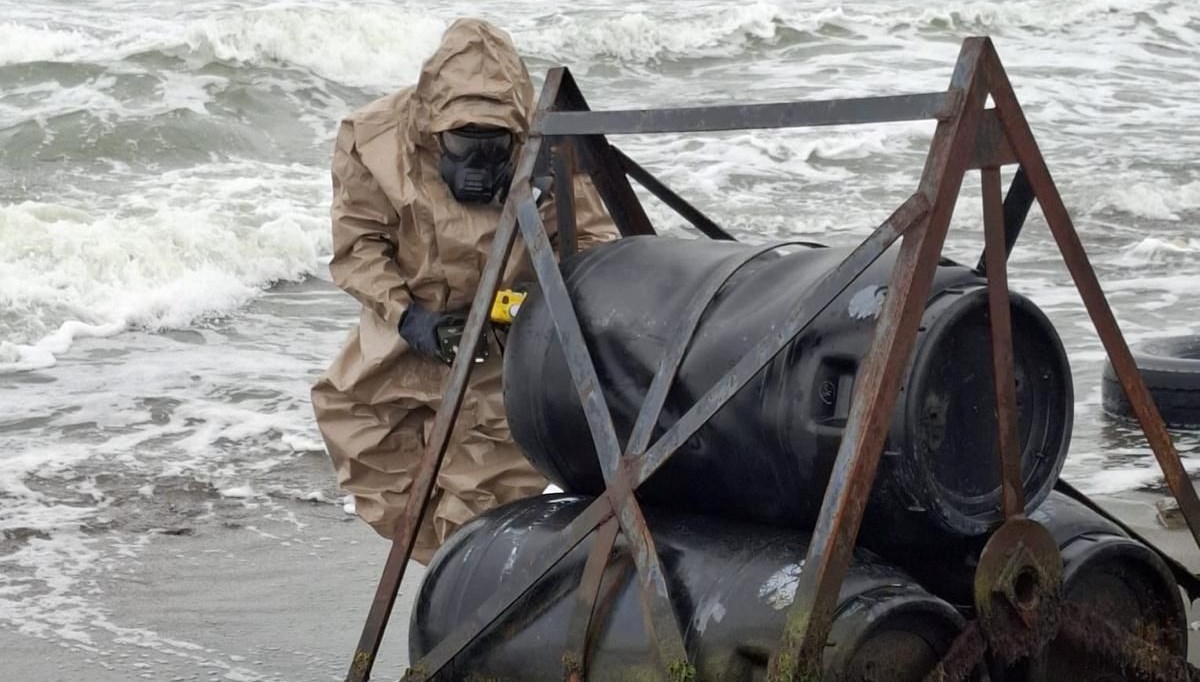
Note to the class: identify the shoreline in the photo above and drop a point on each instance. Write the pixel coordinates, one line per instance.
(252, 600)
(260, 599)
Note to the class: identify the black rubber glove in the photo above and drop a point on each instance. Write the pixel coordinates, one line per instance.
(419, 328)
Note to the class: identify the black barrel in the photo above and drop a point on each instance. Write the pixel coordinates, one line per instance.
(766, 456)
(731, 586)
(1115, 576)
(1104, 570)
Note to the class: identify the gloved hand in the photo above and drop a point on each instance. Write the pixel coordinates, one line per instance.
(419, 327)
(436, 335)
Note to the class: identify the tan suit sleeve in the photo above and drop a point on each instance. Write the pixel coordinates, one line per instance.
(592, 223)
(364, 229)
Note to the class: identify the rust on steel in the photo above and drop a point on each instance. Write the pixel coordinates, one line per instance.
(491, 610)
(801, 651)
(962, 660)
(563, 159)
(1017, 203)
(999, 309)
(991, 146)
(1137, 658)
(1075, 257)
(575, 658)
(1018, 589)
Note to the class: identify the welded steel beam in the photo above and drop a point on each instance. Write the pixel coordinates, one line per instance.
(1017, 203)
(1059, 220)
(801, 651)
(991, 145)
(967, 137)
(563, 162)
(931, 105)
(1000, 313)
(823, 293)
(599, 161)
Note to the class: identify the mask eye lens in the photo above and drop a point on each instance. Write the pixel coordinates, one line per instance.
(462, 142)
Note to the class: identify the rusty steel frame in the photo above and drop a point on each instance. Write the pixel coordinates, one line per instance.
(571, 137)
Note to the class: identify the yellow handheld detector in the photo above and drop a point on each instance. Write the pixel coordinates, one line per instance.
(506, 305)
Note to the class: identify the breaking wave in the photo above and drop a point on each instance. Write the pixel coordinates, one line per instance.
(177, 254)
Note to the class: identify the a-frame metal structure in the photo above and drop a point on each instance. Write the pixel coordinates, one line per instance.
(1018, 580)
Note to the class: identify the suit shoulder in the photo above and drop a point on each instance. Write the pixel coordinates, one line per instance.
(378, 117)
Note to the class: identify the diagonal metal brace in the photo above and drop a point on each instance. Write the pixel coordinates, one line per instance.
(659, 610)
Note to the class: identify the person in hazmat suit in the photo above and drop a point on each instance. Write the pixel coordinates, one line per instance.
(418, 184)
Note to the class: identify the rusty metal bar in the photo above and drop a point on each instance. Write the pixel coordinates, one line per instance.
(962, 660)
(991, 147)
(917, 107)
(655, 186)
(580, 527)
(575, 659)
(800, 653)
(677, 347)
(1017, 203)
(812, 304)
(563, 162)
(422, 486)
(613, 186)
(1075, 257)
(1128, 653)
(660, 612)
(999, 309)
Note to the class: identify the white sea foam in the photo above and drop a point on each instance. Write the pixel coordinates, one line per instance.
(186, 246)
(1161, 200)
(365, 45)
(1151, 250)
(20, 42)
(637, 36)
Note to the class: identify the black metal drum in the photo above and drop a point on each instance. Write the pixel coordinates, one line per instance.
(767, 455)
(731, 586)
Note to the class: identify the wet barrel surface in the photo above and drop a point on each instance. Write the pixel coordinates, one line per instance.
(1117, 577)
(1104, 570)
(731, 586)
(767, 455)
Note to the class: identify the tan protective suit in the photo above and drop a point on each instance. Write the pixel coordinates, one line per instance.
(400, 236)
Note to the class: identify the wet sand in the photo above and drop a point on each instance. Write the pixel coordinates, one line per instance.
(247, 599)
(242, 598)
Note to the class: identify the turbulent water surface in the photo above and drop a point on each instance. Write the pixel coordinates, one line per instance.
(163, 217)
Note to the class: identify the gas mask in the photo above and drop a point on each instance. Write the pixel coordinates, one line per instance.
(477, 163)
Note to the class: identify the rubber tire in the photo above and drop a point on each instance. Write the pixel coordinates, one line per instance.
(1171, 369)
